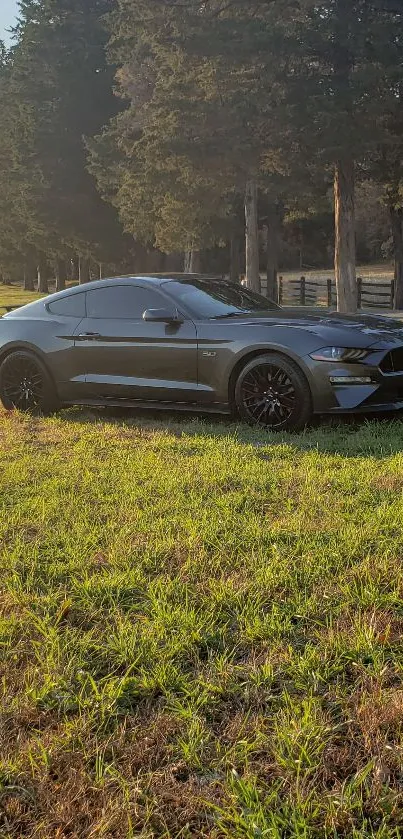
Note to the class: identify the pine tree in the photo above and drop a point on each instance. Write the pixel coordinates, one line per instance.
(60, 87)
(197, 127)
(344, 78)
(20, 183)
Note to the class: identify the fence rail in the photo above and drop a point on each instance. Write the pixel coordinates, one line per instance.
(306, 292)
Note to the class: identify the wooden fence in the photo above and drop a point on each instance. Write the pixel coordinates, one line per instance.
(322, 292)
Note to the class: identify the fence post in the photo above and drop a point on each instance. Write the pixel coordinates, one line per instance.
(359, 292)
(303, 291)
(280, 291)
(329, 293)
(392, 293)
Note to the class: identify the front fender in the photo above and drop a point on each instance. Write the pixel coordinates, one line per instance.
(243, 357)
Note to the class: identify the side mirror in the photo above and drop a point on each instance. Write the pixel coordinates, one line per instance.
(162, 316)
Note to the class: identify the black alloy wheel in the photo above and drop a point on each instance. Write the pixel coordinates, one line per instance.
(25, 384)
(272, 392)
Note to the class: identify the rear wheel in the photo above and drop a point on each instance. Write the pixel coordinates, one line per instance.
(25, 384)
(271, 391)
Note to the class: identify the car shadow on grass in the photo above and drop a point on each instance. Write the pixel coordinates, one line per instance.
(378, 436)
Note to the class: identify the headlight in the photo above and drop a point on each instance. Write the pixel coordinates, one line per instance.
(339, 354)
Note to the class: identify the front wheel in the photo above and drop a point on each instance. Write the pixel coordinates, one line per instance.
(25, 385)
(271, 391)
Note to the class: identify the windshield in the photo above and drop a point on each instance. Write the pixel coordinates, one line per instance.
(218, 298)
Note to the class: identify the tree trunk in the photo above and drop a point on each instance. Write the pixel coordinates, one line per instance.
(195, 262)
(235, 259)
(396, 217)
(301, 253)
(252, 238)
(273, 233)
(345, 252)
(84, 272)
(30, 275)
(61, 275)
(162, 262)
(75, 269)
(173, 262)
(192, 261)
(43, 276)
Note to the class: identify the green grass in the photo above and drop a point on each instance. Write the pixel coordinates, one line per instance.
(16, 296)
(201, 629)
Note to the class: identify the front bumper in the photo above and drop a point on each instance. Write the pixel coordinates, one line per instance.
(384, 392)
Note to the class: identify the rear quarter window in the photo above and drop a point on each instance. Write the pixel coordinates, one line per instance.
(72, 306)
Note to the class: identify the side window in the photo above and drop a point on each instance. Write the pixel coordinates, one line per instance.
(72, 306)
(122, 301)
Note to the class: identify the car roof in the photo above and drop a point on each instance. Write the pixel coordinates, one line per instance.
(146, 280)
(177, 277)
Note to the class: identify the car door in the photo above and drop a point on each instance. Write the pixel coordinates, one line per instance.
(126, 357)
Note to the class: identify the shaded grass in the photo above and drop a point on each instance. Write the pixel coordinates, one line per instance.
(200, 629)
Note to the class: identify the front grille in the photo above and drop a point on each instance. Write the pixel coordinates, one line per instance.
(393, 362)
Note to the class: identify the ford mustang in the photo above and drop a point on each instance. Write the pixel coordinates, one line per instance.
(196, 343)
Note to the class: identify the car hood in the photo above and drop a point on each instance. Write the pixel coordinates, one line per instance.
(367, 329)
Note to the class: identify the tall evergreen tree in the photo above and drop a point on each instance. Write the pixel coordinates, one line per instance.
(344, 79)
(275, 83)
(221, 99)
(197, 133)
(60, 91)
(20, 181)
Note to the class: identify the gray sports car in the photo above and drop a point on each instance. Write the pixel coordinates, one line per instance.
(196, 343)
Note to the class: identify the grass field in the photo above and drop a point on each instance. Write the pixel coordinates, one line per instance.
(201, 629)
(383, 272)
(15, 296)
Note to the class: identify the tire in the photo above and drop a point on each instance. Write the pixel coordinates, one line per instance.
(272, 392)
(25, 385)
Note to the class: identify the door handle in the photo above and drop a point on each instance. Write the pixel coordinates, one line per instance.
(89, 335)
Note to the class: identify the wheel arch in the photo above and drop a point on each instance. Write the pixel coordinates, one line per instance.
(256, 353)
(9, 349)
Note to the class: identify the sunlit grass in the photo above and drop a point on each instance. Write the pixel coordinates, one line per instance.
(16, 296)
(200, 629)
(384, 272)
